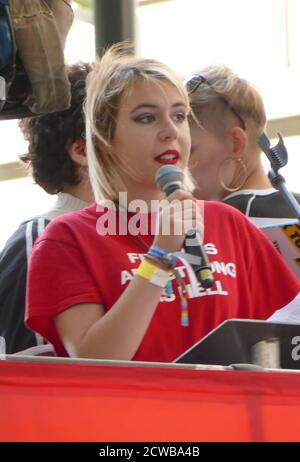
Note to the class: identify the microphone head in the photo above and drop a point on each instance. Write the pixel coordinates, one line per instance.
(169, 178)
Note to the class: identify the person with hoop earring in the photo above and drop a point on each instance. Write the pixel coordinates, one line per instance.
(226, 121)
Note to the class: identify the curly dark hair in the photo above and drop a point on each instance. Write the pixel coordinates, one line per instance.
(48, 135)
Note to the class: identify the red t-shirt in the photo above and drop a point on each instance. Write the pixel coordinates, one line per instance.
(72, 263)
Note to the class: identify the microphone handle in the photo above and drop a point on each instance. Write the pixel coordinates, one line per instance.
(193, 246)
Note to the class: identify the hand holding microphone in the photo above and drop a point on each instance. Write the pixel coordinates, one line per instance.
(169, 179)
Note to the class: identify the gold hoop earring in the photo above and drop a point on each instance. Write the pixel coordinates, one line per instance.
(240, 173)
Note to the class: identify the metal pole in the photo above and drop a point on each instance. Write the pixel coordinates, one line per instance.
(114, 22)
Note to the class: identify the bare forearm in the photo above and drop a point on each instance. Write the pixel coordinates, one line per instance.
(118, 334)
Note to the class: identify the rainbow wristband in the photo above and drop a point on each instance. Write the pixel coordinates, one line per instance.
(153, 274)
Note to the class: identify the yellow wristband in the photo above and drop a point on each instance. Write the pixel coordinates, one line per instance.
(153, 274)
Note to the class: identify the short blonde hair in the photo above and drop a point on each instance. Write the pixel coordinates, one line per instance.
(221, 85)
(112, 78)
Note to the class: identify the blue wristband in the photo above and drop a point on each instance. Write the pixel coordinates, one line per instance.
(167, 259)
(157, 251)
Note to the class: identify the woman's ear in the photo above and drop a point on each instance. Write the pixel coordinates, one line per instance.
(76, 150)
(239, 140)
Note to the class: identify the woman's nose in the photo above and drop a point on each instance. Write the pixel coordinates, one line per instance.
(169, 130)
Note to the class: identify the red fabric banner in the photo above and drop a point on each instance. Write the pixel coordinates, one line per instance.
(86, 402)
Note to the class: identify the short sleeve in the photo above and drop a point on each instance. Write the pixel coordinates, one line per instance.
(58, 278)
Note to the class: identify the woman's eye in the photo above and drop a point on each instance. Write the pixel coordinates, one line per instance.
(145, 118)
(180, 116)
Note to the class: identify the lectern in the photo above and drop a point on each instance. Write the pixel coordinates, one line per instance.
(241, 341)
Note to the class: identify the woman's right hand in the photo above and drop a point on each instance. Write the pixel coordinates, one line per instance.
(179, 215)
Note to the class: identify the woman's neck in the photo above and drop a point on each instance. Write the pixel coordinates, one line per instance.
(257, 179)
(147, 199)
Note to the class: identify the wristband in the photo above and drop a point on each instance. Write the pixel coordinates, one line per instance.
(153, 274)
(157, 251)
(169, 260)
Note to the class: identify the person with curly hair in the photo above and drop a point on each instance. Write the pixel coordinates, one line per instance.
(56, 156)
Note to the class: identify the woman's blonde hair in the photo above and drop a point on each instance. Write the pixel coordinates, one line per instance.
(111, 79)
(220, 91)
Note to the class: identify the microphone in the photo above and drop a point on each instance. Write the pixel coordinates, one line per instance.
(168, 178)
